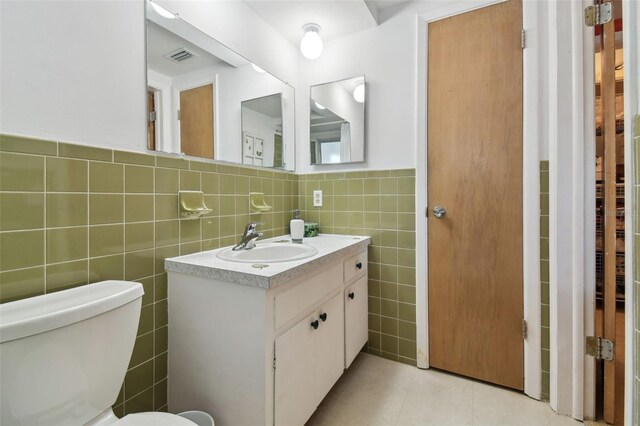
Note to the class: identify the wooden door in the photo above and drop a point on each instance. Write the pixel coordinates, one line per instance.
(151, 120)
(474, 171)
(196, 121)
(613, 176)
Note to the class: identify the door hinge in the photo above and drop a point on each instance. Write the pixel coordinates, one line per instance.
(274, 363)
(597, 14)
(600, 348)
(178, 115)
(524, 328)
(523, 38)
(152, 116)
(426, 211)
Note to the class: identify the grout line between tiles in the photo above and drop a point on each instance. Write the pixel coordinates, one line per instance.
(88, 233)
(44, 248)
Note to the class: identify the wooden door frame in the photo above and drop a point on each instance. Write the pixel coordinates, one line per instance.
(163, 111)
(571, 197)
(531, 187)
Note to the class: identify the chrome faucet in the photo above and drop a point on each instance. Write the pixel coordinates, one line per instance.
(249, 238)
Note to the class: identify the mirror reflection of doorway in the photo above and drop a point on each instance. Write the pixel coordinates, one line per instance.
(610, 215)
(196, 121)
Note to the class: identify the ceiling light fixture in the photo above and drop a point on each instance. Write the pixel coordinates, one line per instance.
(319, 106)
(258, 69)
(311, 42)
(162, 11)
(358, 92)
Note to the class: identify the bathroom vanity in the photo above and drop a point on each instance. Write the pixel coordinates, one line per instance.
(255, 342)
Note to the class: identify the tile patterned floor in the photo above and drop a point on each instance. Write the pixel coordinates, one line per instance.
(376, 391)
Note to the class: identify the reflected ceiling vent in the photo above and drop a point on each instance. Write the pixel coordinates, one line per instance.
(180, 55)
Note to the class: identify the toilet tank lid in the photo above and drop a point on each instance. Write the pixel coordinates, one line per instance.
(39, 314)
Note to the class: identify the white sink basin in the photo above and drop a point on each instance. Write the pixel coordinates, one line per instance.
(269, 253)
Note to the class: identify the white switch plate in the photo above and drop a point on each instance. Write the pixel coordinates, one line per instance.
(317, 198)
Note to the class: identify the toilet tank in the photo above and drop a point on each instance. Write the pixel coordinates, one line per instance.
(63, 356)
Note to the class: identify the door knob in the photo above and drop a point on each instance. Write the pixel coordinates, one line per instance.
(351, 295)
(315, 324)
(323, 316)
(439, 212)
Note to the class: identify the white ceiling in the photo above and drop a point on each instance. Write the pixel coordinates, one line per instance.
(160, 42)
(336, 18)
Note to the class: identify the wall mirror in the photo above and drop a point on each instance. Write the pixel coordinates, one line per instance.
(205, 100)
(337, 112)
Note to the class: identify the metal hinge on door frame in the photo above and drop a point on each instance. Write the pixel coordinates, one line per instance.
(600, 348)
(274, 362)
(598, 14)
(152, 116)
(178, 115)
(523, 38)
(524, 328)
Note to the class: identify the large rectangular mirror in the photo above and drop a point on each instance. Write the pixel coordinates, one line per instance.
(337, 125)
(207, 101)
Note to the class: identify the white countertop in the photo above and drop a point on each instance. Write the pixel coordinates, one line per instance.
(207, 265)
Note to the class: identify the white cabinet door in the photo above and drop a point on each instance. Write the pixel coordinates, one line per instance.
(295, 376)
(356, 319)
(330, 345)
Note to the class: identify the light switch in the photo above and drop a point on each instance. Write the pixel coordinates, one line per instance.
(317, 198)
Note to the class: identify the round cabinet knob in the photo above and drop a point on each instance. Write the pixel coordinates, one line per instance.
(359, 265)
(352, 295)
(315, 324)
(439, 212)
(323, 316)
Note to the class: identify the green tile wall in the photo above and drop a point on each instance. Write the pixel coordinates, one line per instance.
(72, 215)
(380, 204)
(544, 275)
(636, 266)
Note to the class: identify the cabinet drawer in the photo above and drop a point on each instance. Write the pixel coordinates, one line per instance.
(305, 295)
(355, 266)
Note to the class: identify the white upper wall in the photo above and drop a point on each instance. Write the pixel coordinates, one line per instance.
(75, 71)
(386, 55)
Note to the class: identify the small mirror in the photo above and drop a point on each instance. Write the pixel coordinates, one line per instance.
(337, 122)
(205, 100)
(262, 131)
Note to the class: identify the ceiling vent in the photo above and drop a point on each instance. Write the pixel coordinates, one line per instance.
(180, 55)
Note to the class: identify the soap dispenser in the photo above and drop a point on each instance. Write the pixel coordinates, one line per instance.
(297, 227)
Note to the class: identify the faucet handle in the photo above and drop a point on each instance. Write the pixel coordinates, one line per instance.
(251, 226)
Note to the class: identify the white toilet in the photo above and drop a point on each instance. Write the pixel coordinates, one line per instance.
(64, 355)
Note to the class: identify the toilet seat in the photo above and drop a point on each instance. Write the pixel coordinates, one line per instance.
(153, 419)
